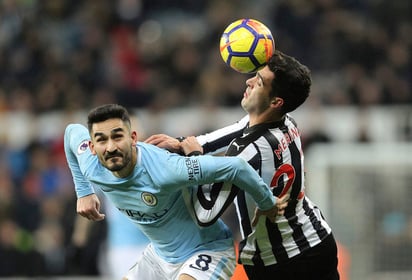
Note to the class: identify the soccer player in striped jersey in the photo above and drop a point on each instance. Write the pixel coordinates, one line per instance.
(300, 244)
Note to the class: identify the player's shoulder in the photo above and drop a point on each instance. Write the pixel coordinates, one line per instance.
(75, 128)
(152, 151)
(290, 120)
(77, 134)
(149, 147)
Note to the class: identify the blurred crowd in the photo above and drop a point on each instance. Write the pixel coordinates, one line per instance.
(69, 55)
(65, 55)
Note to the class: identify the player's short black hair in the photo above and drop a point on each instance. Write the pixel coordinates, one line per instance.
(106, 112)
(292, 80)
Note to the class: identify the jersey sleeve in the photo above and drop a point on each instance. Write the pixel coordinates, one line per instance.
(217, 141)
(76, 139)
(172, 171)
(236, 171)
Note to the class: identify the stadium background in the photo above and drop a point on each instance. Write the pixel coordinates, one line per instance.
(59, 58)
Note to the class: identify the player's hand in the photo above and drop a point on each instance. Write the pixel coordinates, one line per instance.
(89, 207)
(277, 210)
(164, 141)
(190, 145)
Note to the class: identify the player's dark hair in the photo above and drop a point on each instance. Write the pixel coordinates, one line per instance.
(292, 80)
(106, 112)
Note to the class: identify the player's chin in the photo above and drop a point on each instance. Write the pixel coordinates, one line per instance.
(114, 166)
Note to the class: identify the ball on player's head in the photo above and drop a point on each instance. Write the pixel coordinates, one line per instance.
(246, 45)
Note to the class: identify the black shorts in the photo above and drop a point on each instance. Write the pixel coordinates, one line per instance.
(317, 263)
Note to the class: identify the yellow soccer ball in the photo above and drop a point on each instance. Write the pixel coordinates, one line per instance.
(246, 45)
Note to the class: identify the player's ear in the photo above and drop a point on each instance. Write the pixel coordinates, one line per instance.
(91, 147)
(277, 102)
(134, 137)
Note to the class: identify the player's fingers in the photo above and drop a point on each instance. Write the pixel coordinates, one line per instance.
(100, 217)
(95, 215)
(283, 205)
(282, 202)
(283, 199)
(154, 139)
(89, 217)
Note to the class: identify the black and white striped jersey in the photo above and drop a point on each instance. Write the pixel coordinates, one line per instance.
(275, 152)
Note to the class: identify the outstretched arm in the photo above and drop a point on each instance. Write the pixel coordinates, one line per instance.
(229, 174)
(209, 210)
(75, 147)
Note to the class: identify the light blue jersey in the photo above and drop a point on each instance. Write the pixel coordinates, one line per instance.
(153, 196)
(120, 231)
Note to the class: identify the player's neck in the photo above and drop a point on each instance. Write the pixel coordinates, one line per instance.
(264, 117)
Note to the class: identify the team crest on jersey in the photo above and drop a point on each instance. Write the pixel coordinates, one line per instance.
(83, 147)
(149, 199)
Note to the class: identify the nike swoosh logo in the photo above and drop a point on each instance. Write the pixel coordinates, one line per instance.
(227, 45)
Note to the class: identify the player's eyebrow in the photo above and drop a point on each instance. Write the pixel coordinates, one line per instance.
(119, 129)
(260, 77)
(97, 134)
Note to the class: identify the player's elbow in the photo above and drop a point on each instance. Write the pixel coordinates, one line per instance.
(70, 127)
(242, 165)
(72, 133)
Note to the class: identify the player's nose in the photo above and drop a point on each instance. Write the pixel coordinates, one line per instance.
(111, 146)
(249, 82)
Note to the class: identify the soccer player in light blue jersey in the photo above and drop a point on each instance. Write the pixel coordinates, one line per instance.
(152, 186)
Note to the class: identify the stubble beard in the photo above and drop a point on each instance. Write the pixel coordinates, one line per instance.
(118, 164)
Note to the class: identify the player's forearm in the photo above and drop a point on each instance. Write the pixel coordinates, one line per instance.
(241, 174)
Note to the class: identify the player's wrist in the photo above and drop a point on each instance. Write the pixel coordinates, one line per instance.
(178, 148)
(181, 138)
(194, 153)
